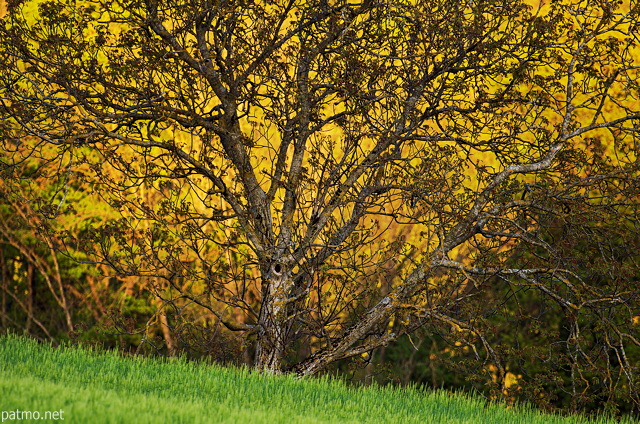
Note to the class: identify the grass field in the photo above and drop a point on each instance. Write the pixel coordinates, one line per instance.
(100, 387)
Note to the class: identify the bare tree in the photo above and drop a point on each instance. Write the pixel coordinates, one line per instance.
(330, 175)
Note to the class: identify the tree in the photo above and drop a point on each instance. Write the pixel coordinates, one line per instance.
(326, 176)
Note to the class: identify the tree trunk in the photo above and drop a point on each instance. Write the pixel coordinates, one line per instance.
(271, 339)
(166, 330)
(269, 352)
(274, 324)
(30, 295)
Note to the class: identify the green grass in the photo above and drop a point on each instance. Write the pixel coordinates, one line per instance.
(101, 387)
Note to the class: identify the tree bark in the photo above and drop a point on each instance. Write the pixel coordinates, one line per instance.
(274, 324)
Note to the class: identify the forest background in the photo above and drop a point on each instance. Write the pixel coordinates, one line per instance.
(439, 192)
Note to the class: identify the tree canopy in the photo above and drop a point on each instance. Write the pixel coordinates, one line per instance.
(324, 177)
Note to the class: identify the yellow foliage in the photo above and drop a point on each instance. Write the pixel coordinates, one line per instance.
(510, 379)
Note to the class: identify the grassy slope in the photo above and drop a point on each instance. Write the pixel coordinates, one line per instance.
(102, 387)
